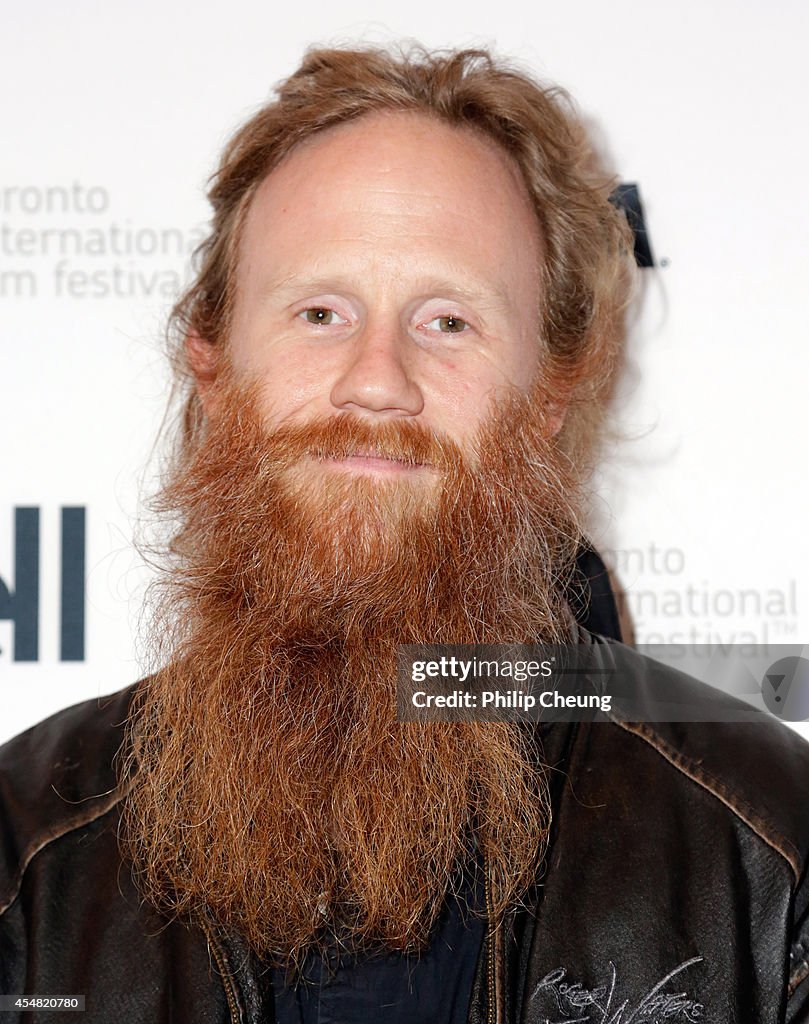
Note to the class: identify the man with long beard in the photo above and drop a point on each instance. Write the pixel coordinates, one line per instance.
(396, 358)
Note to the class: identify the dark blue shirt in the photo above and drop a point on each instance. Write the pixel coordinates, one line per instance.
(433, 987)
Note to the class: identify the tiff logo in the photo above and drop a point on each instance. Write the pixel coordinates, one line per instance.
(20, 604)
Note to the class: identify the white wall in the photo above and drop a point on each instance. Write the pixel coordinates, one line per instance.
(126, 108)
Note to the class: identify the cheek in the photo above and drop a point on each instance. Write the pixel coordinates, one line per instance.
(288, 381)
(524, 363)
(458, 405)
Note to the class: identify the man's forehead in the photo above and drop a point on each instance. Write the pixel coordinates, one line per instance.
(398, 160)
(386, 179)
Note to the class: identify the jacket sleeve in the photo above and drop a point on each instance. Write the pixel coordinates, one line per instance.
(12, 959)
(798, 992)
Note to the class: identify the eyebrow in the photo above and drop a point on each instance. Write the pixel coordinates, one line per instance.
(470, 290)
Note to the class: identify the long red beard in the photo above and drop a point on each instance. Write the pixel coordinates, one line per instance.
(273, 786)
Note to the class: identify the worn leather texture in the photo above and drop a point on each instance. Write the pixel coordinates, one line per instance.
(674, 888)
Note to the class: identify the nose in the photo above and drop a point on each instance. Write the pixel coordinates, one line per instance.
(376, 377)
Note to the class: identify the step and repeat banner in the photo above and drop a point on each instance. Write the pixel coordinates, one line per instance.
(113, 119)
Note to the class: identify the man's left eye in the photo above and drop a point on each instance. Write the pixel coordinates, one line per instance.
(320, 315)
(449, 324)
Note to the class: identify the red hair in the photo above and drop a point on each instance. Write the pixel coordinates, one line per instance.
(585, 276)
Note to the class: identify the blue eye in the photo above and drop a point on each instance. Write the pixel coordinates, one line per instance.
(449, 324)
(320, 315)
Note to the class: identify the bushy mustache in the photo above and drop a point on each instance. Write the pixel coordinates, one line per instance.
(345, 436)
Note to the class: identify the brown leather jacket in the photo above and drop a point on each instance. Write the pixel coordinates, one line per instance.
(674, 889)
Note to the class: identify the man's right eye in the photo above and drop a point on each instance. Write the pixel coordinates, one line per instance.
(321, 315)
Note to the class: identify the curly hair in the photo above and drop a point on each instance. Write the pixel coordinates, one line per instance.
(586, 272)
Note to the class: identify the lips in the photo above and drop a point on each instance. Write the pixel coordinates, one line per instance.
(372, 453)
(375, 455)
(375, 460)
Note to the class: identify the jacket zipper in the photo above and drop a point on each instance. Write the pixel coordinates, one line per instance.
(492, 986)
(224, 973)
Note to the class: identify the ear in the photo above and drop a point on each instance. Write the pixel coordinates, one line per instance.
(557, 412)
(203, 360)
(556, 420)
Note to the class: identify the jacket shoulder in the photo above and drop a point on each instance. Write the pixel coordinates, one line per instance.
(55, 777)
(755, 765)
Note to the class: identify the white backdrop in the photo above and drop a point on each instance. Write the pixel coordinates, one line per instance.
(112, 119)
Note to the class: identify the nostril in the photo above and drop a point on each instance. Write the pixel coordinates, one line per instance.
(377, 381)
